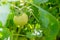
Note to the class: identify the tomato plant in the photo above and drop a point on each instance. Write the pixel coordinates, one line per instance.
(29, 20)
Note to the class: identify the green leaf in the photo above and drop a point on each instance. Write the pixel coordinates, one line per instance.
(29, 35)
(9, 22)
(49, 23)
(0, 24)
(39, 1)
(4, 33)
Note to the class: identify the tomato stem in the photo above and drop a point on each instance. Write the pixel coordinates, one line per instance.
(18, 32)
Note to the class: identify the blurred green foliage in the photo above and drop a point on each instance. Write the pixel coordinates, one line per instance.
(43, 23)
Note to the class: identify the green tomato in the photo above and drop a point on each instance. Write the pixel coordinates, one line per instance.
(21, 20)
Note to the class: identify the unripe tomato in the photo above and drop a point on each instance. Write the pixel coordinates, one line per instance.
(21, 20)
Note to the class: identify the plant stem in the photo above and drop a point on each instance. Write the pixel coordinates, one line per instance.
(35, 17)
(18, 32)
(18, 7)
(12, 36)
(32, 39)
